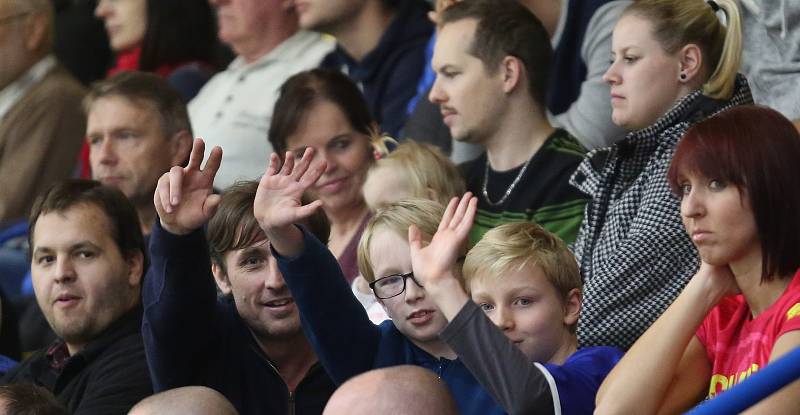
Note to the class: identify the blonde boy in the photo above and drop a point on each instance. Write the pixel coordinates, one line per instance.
(523, 281)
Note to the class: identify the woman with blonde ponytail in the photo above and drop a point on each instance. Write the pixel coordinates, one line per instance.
(674, 63)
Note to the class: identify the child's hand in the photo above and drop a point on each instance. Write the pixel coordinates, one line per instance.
(434, 263)
(277, 202)
(184, 197)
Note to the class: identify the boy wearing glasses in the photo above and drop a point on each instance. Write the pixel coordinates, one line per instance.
(346, 342)
(517, 333)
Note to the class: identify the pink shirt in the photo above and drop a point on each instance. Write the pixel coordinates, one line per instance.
(738, 345)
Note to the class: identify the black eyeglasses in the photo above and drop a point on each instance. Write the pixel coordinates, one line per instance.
(392, 285)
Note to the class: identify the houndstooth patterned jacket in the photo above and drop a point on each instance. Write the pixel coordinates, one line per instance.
(634, 253)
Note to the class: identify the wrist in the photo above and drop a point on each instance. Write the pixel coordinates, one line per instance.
(448, 294)
(173, 229)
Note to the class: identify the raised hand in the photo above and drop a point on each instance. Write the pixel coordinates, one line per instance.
(435, 262)
(184, 197)
(278, 202)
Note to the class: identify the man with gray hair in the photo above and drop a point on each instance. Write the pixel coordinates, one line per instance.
(41, 123)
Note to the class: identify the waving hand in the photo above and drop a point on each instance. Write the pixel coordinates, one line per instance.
(184, 197)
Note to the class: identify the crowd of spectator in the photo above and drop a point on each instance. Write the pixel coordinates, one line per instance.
(396, 206)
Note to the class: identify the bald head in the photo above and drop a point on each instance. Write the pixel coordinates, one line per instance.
(196, 400)
(398, 390)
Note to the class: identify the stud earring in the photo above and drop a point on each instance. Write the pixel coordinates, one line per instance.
(683, 76)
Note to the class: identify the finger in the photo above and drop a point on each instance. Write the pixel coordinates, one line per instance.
(448, 214)
(308, 210)
(458, 216)
(305, 162)
(272, 167)
(162, 190)
(196, 156)
(288, 164)
(175, 185)
(469, 217)
(313, 175)
(212, 164)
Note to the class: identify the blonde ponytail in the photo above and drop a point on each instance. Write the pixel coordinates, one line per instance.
(677, 23)
(721, 82)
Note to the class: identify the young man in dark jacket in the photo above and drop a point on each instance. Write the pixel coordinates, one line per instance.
(248, 345)
(380, 45)
(87, 261)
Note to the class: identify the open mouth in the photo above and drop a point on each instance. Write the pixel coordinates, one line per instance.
(420, 317)
(281, 302)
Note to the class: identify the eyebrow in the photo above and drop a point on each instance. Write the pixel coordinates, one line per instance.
(73, 247)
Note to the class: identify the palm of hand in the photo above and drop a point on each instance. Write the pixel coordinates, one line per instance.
(434, 261)
(277, 200)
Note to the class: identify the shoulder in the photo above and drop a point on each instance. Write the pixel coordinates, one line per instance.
(565, 144)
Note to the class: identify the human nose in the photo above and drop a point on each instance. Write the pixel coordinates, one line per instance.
(102, 10)
(611, 76)
(65, 270)
(437, 94)
(414, 292)
(274, 280)
(692, 205)
(106, 152)
(503, 319)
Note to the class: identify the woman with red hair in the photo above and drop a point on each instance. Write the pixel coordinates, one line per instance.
(736, 176)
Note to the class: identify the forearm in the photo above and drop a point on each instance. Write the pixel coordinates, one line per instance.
(654, 358)
(337, 325)
(179, 299)
(286, 240)
(503, 370)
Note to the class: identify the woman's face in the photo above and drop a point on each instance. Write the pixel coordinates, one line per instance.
(644, 79)
(347, 152)
(125, 21)
(718, 219)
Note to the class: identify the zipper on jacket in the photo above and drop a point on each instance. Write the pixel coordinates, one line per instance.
(290, 406)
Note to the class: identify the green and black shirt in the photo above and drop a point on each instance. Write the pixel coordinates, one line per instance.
(543, 195)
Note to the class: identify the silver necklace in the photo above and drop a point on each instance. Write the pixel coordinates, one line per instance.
(510, 187)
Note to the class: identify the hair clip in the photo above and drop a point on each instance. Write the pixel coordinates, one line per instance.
(714, 5)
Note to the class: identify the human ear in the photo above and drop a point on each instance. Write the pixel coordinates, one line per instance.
(572, 307)
(221, 278)
(135, 268)
(36, 30)
(511, 69)
(691, 62)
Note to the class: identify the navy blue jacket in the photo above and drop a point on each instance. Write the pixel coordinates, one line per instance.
(348, 344)
(192, 338)
(388, 75)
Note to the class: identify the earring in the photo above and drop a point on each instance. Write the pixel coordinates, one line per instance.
(683, 76)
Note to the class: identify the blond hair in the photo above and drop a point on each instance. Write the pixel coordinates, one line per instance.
(425, 168)
(514, 246)
(677, 23)
(397, 217)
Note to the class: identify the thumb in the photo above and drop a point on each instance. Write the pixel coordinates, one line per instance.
(211, 204)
